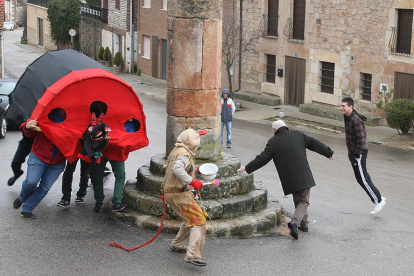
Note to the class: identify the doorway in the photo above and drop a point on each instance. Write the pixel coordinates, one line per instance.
(164, 59)
(40, 30)
(295, 81)
(154, 56)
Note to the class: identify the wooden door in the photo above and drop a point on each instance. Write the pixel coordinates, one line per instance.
(40, 30)
(295, 80)
(154, 56)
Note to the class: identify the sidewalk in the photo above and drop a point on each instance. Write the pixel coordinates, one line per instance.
(254, 112)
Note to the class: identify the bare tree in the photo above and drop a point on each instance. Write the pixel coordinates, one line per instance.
(236, 41)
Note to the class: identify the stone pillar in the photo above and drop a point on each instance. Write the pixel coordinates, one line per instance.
(194, 72)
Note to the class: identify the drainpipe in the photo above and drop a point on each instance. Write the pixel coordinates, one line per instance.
(131, 28)
(2, 55)
(240, 44)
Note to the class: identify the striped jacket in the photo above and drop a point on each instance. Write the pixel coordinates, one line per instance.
(356, 136)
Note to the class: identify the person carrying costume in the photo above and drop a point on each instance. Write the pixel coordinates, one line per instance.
(118, 168)
(45, 164)
(178, 182)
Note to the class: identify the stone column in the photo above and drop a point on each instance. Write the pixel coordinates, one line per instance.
(194, 72)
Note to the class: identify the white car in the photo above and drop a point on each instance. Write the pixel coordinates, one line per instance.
(8, 26)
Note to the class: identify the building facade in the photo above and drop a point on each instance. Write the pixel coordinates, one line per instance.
(38, 27)
(319, 51)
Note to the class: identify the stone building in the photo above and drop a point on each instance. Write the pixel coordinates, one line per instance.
(38, 27)
(319, 51)
(152, 37)
(108, 25)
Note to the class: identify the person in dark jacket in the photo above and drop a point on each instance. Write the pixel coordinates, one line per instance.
(287, 148)
(227, 110)
(356, 142)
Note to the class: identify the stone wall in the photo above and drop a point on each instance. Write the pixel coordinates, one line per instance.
(90, 36)
(118, 18)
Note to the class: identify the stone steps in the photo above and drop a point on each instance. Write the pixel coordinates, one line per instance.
(247, 225)
(258, 98)
(227, 165)
(335, 113)
(221, 208)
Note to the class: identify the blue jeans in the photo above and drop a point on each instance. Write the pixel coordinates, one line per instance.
(228, 129)
(37, 170)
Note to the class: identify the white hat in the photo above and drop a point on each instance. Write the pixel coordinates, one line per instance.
(278, 124)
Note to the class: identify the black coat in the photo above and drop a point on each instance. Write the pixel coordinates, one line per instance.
(287, 148)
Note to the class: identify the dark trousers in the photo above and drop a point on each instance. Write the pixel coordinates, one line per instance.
(67, 179)
(362, 176)
(23, 150)
(301, 201)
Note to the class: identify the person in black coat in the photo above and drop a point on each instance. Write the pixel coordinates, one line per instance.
(287, 148)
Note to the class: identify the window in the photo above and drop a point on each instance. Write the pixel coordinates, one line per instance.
(147, 4)
(327, 77)
(164, 5)
(117, 4)
(404, 30)
(366, 85)
(272, 20)
(299, 19)
(270, 68)
(147, 47)
(404, 86)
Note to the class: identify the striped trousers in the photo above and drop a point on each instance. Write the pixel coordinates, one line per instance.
(362, 176)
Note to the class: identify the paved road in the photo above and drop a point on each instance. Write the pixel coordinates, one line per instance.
(344, 239)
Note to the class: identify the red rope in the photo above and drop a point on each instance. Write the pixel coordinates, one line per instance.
(151, 240)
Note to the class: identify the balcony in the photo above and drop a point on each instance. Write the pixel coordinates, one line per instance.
(400, 41)
(269, 26)
(40, 3)
(295, 29)
(94, 12)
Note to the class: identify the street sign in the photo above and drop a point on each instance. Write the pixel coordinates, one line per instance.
(72, 32)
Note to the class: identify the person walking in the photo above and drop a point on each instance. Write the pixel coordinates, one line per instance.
(177, 184)
(23, 150)
(356, 142)
(44, 166)
(67, 179)
(287, 148)
(227, 110)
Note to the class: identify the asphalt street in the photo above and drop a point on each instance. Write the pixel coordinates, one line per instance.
(343, 238)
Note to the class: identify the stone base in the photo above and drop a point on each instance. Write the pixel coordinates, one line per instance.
(247, 225)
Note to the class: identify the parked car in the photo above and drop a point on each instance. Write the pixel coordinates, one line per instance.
(6, 87)
(20, 23)
(3, 123)
(8, 26)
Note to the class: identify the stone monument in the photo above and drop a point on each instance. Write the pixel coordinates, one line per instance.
(239, 205)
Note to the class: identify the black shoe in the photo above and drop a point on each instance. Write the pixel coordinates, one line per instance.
(27, 215)
(11, 181)
(228, 146)
(79, 199)
(303, 228)
(98, 207)
(196, 261)
(17, 203)
(63, 203)
(179, 250)
(293, 229)
(118, 207)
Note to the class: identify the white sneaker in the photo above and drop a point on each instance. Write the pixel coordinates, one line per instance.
(378, 207)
